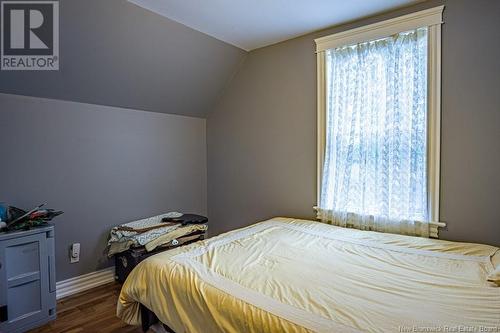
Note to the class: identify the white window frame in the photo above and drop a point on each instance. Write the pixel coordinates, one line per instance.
(431, 18)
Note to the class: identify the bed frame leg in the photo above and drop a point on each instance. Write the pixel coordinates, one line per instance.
(148, 318)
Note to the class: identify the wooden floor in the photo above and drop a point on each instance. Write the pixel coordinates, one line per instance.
(90, 311)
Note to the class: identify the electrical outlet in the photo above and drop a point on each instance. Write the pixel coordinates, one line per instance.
(74, 253)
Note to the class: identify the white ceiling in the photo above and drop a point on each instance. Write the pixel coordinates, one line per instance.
(250, 24)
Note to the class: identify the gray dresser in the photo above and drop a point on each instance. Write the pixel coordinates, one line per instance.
(27, 279)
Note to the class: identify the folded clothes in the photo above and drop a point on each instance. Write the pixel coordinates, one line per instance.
(133, 233)
(141, 232)
(177, 233)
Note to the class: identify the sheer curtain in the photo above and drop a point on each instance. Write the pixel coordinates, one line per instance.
(374, 172)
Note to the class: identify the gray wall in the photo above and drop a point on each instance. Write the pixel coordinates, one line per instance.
(105, 165)
(101, 165)
(115, 53)
(262, 134)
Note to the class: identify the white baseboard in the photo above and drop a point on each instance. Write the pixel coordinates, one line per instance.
(84, 282)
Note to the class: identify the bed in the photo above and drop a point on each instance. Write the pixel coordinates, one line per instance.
(288, 275)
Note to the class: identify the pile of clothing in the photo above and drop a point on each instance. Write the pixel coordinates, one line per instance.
(154, 231)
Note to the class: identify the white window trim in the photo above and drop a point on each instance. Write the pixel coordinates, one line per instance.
(431, 18)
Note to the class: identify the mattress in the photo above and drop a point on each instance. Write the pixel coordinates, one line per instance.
(287, 275)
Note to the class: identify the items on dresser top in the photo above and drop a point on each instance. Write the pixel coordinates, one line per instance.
(13, 218)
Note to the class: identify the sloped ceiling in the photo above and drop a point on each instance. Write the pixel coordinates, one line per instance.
(251, 24)
(115, 53)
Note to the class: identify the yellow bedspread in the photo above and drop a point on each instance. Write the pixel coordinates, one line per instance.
(286, 275)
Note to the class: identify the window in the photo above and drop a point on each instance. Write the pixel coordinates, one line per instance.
(378, 125)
